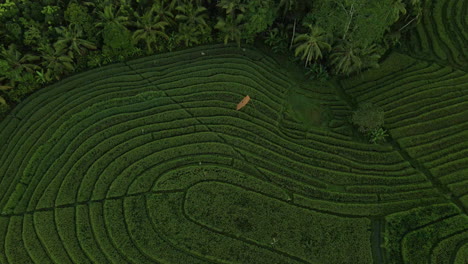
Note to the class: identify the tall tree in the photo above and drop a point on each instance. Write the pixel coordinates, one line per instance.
(230, 28)
(109, 15)
(150, 29)
(164, 10)
(258, 16)
(17, 61)
(232, 7)
(347, 58)
(56, 61)
(188, 34)
(312, 44)
(70, 39)
(285, 6)
(192, 15)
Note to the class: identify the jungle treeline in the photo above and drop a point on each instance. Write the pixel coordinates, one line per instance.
(44, 41)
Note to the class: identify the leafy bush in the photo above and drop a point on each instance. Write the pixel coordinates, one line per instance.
(317, 72)
(277, 39)
(4, 107)
(378, 135)
(368, 117)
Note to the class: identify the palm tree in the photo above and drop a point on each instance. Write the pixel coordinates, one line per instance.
(17, 61)
(164, 12)
(230, 28)
(4, 87)
(71, 40)
(2, 101)
(110, 16)
(345, 60)
(348, 59)
(150, 28)
(232, 6)
(286, 6)
(398, 7)
(56, 61)
(188, 34)
(312, 44)
(192, 15)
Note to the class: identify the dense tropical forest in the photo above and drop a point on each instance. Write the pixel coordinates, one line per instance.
(44, 41)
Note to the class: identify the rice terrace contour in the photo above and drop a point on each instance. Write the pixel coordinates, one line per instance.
(149, 157)
(221, 154)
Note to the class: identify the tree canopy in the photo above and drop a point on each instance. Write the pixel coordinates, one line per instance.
(50, 38)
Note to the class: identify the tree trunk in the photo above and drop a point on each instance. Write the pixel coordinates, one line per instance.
(294, 33)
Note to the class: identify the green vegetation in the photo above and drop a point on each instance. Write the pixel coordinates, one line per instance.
(144, 158)
(44, 41)
(370, 119)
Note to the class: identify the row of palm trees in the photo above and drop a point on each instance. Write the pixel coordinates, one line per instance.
(167, 24)
(52, 60)
(346, 57)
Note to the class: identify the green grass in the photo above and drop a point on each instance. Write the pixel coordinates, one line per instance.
(149, 162)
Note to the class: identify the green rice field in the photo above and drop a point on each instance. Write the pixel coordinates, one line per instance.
(148, 161)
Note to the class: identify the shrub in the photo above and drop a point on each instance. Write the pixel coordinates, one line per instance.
(378, 135)
(368, 117)
(318, 72)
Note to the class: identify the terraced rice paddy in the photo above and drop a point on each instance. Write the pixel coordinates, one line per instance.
(426, 107)
(149, 162)
(442, 33)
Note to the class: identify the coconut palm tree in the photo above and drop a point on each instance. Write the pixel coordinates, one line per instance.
(286, 6)
(111, 16)
(150, 28)
(71, 40)
(2, 101)
(232, 6)
(192, 15)
(230, 28)
(312, 44)
(17, 61)
(188, 35)
(164, 11)
(348, 59)
(398, 7)
(56, 61)
(345, 59)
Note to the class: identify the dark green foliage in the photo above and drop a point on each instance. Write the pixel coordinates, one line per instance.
(32, 35)
(258, 16)
(117, 41)
(77, 14)
(278, 39)
(368, 117)
(378, 135)
(318, 72)
(313, 44)
(56, 61)
(70, 39)
(4, 107)
(347, 59)
(119, 30)
(400, 226)
(230, 29)
(361, 22)
(8, 11)
(150, 29)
